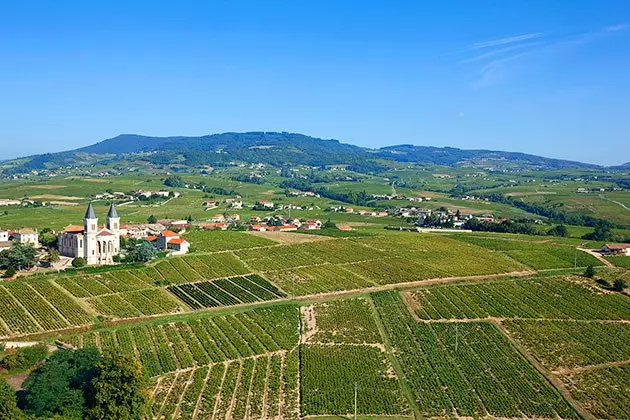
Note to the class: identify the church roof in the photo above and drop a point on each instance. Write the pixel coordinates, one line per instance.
(73, 229)
(89, 213)
(105, 232)
(112, 213)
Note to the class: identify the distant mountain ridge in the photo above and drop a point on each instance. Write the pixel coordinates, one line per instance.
(281, 149)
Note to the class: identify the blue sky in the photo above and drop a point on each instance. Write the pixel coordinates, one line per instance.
(543, 77)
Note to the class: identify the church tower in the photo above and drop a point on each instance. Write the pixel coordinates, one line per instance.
(113, 224)
(90, 229)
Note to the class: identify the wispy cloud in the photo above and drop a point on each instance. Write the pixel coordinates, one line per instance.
(503, 41)
(502, 52)
(616, 28)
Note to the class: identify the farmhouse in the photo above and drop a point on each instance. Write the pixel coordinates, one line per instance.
(170, 241)
(26, 236)
(619, 249)
(96, 244)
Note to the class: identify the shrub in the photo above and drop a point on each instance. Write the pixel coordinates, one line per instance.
(10, 272)
(78, 262)
(589, 272)
(30, 356)
(619, 285)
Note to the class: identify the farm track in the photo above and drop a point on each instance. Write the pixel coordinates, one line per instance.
(549, 376)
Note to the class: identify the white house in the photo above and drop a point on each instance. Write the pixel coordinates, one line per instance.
(26, 236)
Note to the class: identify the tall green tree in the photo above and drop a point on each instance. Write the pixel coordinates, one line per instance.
(8, 403)
(19, 257)
(118, 388)
(151, 219)
(61, 386)
(142, 252)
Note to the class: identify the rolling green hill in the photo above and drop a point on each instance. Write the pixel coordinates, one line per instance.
(279, 149)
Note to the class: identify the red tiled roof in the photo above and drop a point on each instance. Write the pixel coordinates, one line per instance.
(618, 247)
(169, 233)
(150, 238)
(177, 241)
(73, 229)
(105, 233)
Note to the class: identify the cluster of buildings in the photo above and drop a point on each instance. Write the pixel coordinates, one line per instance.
(235, 203)
(99, 244)
(280, 224)
(135, 195)
(25, 236)
(351, 210)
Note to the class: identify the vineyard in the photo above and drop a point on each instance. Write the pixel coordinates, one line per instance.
(539, 256)
(262, 386)
(208, 241)
(330, 390)
(551, 298)
(562, 345)
(226, 292)
(163, 348)
(29, 307)
(603, 392)
(202, 267)
(620, 261)
(442, 364)
(349, 321)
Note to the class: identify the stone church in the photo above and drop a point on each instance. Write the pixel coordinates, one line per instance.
(96, 244)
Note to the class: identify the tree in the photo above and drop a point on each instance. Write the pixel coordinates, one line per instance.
(143, 252)
(19, 256)
(9, 272)
(78, 262)
(601, 233)
(118, 388)
(151, 219)
(8, 402)
(189, 219)
(62, 384)
(558, 230)
(52, 256)
(47, 239)
(589, 272)
(619, 285)
(174, 181)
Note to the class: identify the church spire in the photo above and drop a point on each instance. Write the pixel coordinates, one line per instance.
(89, 213)
(112, 213)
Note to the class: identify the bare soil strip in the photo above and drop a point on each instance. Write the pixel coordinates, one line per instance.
(569, 371)
(290, 237)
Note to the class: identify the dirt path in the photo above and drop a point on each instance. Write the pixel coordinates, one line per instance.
(551, 378)
(598, 256)
(613, 201)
